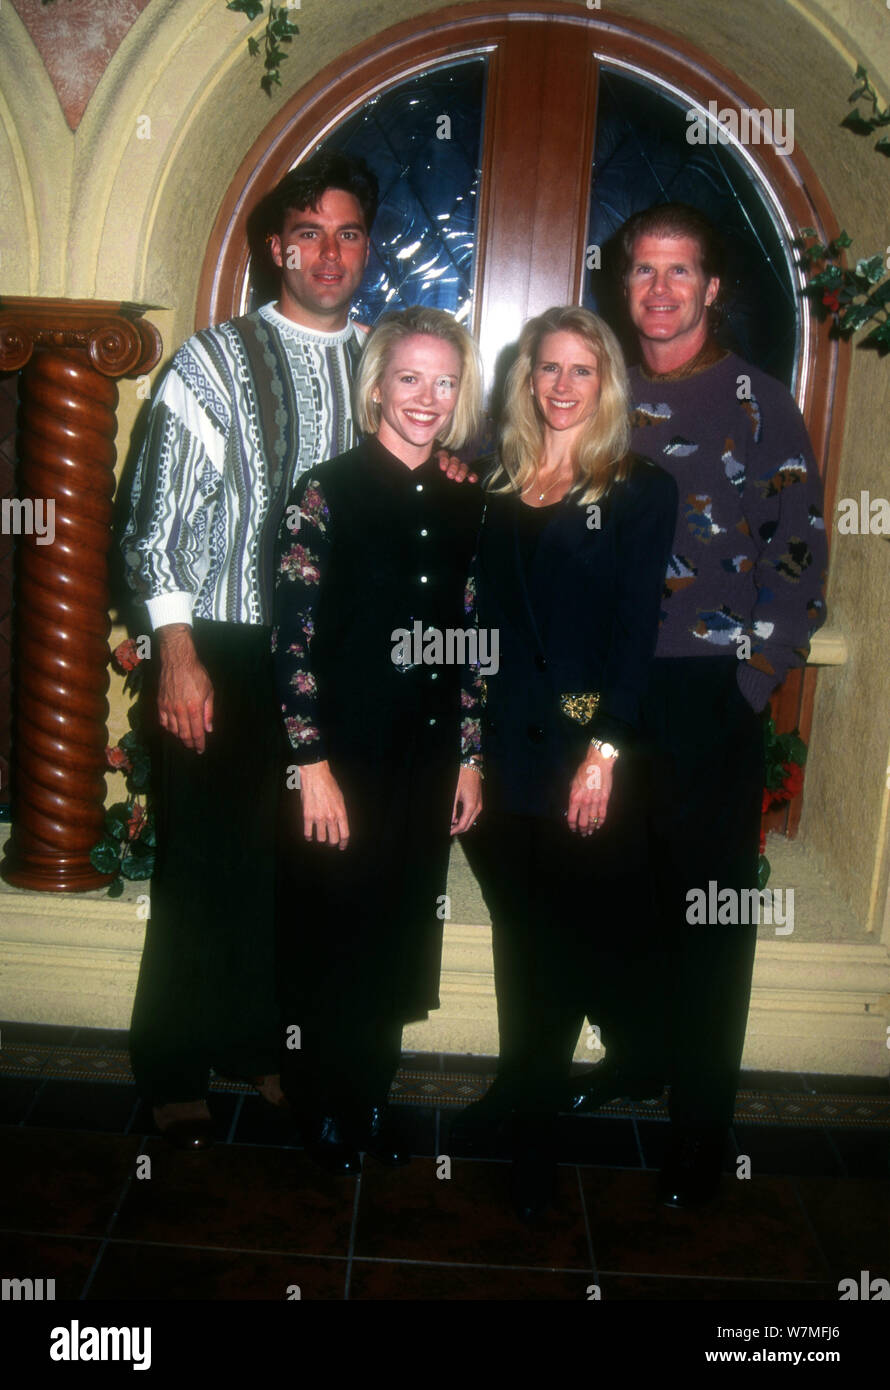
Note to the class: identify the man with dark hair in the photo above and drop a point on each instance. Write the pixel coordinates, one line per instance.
(743, 595)
(302, 188)
(244, 409)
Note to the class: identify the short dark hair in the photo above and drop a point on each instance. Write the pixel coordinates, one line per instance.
(674, 220)
(301, 188)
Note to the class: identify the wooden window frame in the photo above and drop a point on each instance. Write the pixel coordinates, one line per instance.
(507, 289)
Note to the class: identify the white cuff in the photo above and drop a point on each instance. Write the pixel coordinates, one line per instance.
(170, 608)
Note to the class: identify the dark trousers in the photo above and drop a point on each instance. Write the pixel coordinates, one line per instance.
(341, 1029)
(569, 923)
(587, 927)
(704, 826)
(345, 1063)
(206, 991)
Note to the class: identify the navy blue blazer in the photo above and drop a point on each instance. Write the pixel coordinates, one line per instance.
(584, 621)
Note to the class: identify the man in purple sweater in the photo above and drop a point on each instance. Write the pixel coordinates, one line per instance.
(743, 595)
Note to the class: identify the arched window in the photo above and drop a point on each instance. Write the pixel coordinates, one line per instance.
(508, 144)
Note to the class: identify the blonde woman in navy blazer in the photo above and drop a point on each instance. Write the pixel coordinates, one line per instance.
(572, 558)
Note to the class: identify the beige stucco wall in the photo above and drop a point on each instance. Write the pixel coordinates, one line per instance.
(100, 212)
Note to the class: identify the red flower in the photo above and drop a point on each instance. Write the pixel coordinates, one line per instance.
(126, 657)
(117, 758)
(136, 821)
(767, 801)
(793, 783)
(831, 301)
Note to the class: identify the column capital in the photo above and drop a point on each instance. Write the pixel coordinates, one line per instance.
(113, 336)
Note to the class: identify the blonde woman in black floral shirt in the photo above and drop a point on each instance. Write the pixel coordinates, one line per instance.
(374, 636)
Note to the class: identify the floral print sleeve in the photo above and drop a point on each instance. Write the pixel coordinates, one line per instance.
(472, 689)
(302, 553)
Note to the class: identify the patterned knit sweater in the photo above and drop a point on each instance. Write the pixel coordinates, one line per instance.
(245, 408)
(747, 573)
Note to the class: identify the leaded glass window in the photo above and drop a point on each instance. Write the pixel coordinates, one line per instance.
(423, 140)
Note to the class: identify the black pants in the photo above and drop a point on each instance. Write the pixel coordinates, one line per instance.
(570, 921)
(585, 927)
(704, 827)
(345, 1062)
(206, 991)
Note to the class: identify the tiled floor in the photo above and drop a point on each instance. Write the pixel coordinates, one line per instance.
(94, 1199)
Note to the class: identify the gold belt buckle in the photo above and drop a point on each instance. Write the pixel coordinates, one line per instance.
(580, 708)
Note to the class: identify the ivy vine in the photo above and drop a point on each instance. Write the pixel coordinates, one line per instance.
(279, 31)
(852, 297)
(866, 125)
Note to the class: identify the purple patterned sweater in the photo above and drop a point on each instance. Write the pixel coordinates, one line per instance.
(747, 572)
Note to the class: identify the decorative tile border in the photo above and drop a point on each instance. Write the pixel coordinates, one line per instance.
(454, 1088)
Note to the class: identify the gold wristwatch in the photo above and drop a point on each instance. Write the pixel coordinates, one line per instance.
(605, 750)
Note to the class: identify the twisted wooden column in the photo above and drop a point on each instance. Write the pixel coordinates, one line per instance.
(71, 351)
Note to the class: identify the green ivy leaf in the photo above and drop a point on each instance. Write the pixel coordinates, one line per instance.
(841, 242)
(871, 269)
(854, 317)
(880, 336)
(137, 867)
(253, 46)
(105, 858)
(794, 748)
(818, 252)
(251, 8)
(880, 296)
(828, 278)
(140, 777)
(884, 145)
(116, 887)
(859, 124)
(116, 818)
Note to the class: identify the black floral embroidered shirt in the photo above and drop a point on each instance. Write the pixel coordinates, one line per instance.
(374, 610)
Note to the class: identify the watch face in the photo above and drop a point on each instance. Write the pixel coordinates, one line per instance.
(608, 750)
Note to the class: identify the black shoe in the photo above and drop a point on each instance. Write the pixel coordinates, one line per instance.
(484, 1119)
(532, 1182)
(327, 1145)
(191, 1135)
(380, 1138)
(691, 1174)
(608, 1084)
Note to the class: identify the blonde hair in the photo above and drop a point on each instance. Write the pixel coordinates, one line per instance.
(394, 327)
(600, 456)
